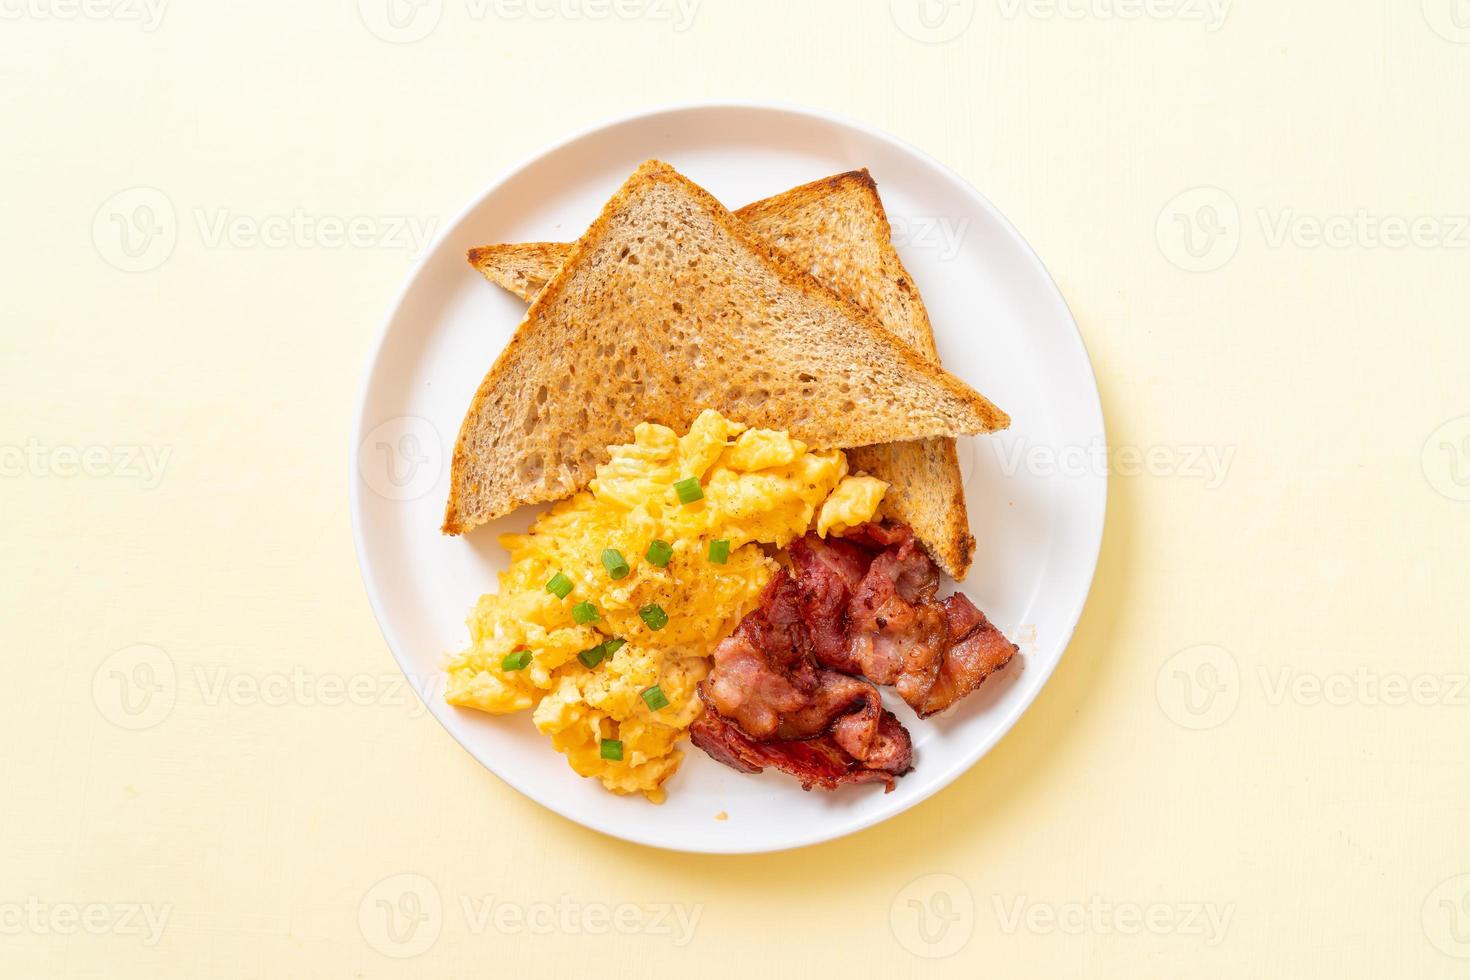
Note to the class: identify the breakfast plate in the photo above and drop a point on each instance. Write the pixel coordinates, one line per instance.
(1036, 495)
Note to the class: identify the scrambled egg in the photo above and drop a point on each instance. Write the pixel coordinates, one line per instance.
(710, 499)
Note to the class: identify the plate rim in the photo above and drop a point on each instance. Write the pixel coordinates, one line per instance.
(359, 428)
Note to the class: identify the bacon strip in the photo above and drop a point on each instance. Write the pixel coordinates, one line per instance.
(869, 602)
(978, 651)
(765, 681)
(793, 687)
(815, 761)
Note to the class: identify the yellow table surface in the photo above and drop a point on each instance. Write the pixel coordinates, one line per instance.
(1253, 759)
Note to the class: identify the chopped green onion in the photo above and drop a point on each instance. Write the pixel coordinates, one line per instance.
(613, 645)
(612, 749)
(592, 656)
(653, 616)
(559, 585)
(516, 660)
(654, 698)
(659, 553)
(584, 612)
(719, 551)
(689, 490)
(612, 560)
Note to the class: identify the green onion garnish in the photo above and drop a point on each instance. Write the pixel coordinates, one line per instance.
(654, 698)
(612, 749)
(653, 616)
(719, 551)
(584, 612)
(689, 490)
(659, 553)
(559, 585)
(612, 560)
(516, 660)
(592, 656)
(612, 646)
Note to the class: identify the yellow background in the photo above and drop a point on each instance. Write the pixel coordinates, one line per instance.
(1331, 830)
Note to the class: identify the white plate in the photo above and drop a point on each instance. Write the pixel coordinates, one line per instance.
(1000, 323)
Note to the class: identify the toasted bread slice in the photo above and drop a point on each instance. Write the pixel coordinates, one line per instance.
(837, 229)
(523, 269)
(667, 305)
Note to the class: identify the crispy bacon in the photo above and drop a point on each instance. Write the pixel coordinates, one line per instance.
(869, 602)
(793, 687)
(765, 681)
(815, 761)
(978, 650)
(829, 572)
(896, 632)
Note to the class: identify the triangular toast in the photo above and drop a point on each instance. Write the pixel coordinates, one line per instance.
(523, 268)
(667, 305)
(836, 228)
